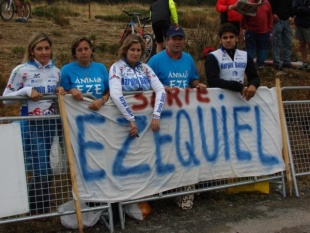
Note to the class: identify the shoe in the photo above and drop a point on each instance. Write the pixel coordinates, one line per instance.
(304, 66)
(19, 20)
(278, 67)
(186, 202)
(24, 20)
(288, 65)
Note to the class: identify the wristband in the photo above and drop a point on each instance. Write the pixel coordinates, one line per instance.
(156, 117)
(104, 99)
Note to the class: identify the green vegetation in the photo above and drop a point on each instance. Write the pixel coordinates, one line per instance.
(18, 51)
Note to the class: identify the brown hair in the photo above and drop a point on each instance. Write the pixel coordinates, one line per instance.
(33, 41)
(75, 43)
(131, 39)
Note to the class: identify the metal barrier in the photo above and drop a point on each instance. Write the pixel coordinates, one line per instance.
(203, 187)
(47, 192)
(297, 115)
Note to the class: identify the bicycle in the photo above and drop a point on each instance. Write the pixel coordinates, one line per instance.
(8, 8)
(137, 25)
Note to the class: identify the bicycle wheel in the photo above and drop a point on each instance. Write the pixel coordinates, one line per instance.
(6, 10)
(149, 47)
(26, 14)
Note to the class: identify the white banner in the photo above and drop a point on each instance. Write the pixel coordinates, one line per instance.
(202, 137)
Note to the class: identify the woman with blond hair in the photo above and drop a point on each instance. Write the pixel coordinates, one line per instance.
(34, 78)
(130, 74)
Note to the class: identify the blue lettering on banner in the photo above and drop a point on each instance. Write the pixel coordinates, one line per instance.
(190, 147)
(241, 154)
(162, 168)
(214, 156)
(187, 156)
(264, 158)
(118, 168)
(81, 121)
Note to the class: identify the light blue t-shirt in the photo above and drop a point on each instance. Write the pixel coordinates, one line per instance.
(174, 73)
(92, 80)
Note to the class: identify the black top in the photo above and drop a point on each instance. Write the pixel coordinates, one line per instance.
(282, 8)
(160, 11)
(301, 9)
(213, 74)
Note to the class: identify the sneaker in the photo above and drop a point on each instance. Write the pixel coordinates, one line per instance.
(186, 202)
(288, 65)
(304, 66)
(19, 20)
(24, 20)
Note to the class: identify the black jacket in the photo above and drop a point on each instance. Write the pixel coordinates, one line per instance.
(301, 10)
(283, 9)
(160, 11)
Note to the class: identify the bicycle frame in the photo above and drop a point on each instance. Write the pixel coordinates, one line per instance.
(136, 26)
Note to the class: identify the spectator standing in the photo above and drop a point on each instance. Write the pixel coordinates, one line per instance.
(129, 74)
(84, 76)
(257, 32)
(281, 33)
(35, 77)
(21, 16)
(301, 10)
(221, 69)
(161, 13)
(176, 69)
(228, 7)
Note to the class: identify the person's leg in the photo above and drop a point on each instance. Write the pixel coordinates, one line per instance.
(286, 42)
(276, 42)
(250, 43)
(25, 13)
(42, 132)
(158, 29)
(263, 46)
(18, 5)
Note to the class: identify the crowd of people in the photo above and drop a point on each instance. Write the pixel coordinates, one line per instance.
(85, 76)
(270, 27)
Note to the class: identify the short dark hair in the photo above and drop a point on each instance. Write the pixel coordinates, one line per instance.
(227, 27)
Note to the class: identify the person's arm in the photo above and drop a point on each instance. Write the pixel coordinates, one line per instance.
(212, 71)
(251, 73)
(116, 93)
(67, 86)
(174, 13)
(270, 19)
(160, 98)
(194, 78)
(98, 103)
(13, 89)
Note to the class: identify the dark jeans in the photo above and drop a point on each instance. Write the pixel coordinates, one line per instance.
(39, 194)
(259, 44)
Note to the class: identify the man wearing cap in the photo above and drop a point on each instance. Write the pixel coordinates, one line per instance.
(225, 67)
(176, 69)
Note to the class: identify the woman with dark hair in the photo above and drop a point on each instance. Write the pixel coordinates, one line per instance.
(84, 76)
(35, 77)
(129, 74)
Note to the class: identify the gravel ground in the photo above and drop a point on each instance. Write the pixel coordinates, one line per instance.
(213, 212)
(218, 212)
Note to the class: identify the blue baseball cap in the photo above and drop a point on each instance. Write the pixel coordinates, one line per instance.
(175, 31)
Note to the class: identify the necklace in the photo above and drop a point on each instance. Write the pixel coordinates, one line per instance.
(89, 70)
